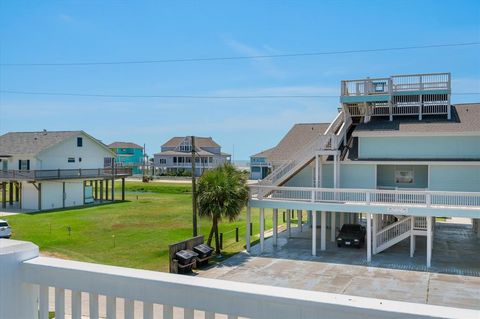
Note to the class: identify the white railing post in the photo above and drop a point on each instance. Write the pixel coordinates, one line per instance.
(367, 198)
(17, 299)
(428, 198)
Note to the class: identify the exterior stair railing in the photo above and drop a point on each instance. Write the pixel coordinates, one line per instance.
(330, 140)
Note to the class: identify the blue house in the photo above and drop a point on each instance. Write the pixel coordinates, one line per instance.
(397, 156)
(128, 155)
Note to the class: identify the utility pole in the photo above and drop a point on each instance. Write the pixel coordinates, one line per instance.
(194, 190)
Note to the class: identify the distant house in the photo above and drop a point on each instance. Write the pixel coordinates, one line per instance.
(128, 155)
(48, 170)
(175, 155)
(261, 164)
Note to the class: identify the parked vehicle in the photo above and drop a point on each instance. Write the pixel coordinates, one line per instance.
(351, 235)
(5, 231)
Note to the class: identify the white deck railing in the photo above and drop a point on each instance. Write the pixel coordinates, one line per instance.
(469, 200)
(26, 279)
(396, 83)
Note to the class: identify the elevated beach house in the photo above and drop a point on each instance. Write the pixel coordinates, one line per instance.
(128, 155)
(397, 156)
(176, 155)
(48, 170)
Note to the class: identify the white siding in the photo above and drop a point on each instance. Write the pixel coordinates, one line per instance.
(52, 195)
(91, 153)
(29, 196)
(74, 193)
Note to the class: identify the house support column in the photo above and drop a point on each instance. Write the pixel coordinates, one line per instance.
(123, 189)
(309, 218)
(39, 188)
(289, 228)
(4, 195)
(96, 189)
(299, 220)
(333, 226)
(101, 191)
(369, 237)
(314, 233)
(316, 172)
(17, 191)
(478, 228)
(323, 230)
(412, 238)
(275, 226)
(106, 189)
(20, 198)
(374, 235)
(64, 195)
(342, 220)
(249, 229)
(429, 241)
(262, 229)
(10, 194)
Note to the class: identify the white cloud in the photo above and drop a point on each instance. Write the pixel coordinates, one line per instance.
(264, 65)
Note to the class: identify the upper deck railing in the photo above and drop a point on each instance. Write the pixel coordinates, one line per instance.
(52, 174)
(26, 280)
(421, 198)
(396, 84)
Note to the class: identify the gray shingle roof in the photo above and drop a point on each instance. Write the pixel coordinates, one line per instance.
(124, 145)
(13, 143)
(465, 119)
(199, 142)
(298, 136)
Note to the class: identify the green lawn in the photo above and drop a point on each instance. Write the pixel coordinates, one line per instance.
(135, 233)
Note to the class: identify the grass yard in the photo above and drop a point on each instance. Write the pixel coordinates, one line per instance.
(135, 233)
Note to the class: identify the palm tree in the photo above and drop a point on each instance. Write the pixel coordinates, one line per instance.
(222, 193)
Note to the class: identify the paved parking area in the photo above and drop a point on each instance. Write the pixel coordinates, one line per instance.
(453, 280)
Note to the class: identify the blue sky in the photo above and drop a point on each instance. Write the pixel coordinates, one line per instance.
(82, 31)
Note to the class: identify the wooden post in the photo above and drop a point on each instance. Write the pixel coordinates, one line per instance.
(123, 189)
(17, 191)
(314, 233)
(275, 226)
(96, 189)
(106, 189)
(262, 229)
(4, 195)
(194, 190)
(249, 228)
(323, 230)
(113, 179)
(101, 191)
(63, 194)
(10, 194)
(39, 196)
(369, 237)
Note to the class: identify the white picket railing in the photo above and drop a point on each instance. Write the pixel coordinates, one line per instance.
(329, 140)
(469, 200)
(86, 289)
(393, 231)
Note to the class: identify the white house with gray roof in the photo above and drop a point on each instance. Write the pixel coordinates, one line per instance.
(176, 155)
(397, 156)
(50, 170)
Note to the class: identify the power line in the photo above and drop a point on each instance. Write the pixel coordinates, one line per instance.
(185, 96)
(288, 55)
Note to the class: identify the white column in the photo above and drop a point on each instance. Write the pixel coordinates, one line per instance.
(249, 219)
(429, 241)
(17, 299)
(289, 228)
(129, 309)
(374, 235)
(314, 233)
(335, 171)
(323, 230)
(333, 226)
(369, 237)
(412, 237)
(262, 229)
(316, 171)
(299, 219)
(275, 226)
(342, 220)
(111, 307)
(76, 304)
(60, 302)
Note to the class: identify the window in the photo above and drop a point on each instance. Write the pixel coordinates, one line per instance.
(174, 159)
(107, 162)
(24, 165)
(162, 161)
(79, 159)
(71, 160)
(79, 141)
(404, 177)
(255, 169)
(210, 159)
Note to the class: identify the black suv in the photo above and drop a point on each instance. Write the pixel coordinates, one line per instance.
(351, 235)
